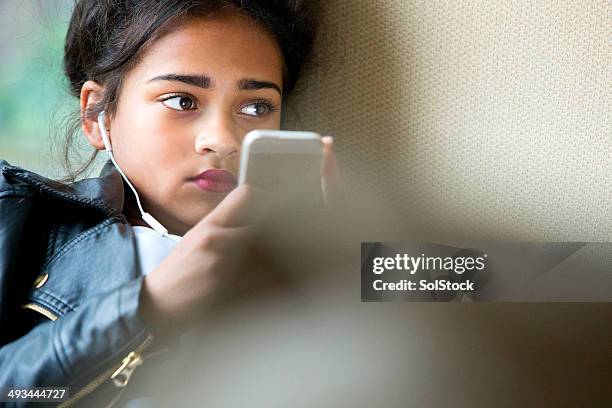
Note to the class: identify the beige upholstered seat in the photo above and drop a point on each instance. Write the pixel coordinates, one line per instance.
(474, 119)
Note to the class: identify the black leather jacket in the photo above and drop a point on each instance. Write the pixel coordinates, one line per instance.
(69, 286)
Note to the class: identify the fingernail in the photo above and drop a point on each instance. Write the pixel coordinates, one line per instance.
(328, 140)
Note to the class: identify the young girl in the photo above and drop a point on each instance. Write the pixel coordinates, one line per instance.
(93, 273)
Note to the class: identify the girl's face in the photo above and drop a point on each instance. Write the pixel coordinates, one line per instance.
(185, 108)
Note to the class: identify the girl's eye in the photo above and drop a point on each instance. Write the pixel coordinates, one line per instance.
(258, 109)
(179, 102)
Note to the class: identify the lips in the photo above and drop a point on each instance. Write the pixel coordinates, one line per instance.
(216, 181)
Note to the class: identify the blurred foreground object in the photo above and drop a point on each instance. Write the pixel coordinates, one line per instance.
(310, 342)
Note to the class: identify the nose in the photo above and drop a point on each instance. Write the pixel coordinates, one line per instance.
(219, 138)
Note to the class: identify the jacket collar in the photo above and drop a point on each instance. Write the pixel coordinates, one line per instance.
(105, 192)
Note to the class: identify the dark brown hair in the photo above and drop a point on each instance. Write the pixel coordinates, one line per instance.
(106, 38)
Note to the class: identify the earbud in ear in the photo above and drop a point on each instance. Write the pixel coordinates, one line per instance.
(102, 126)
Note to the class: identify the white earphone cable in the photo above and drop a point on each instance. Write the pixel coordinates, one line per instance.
(148, 218)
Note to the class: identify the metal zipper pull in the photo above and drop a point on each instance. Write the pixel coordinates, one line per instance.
(129, 363)
(122, 375)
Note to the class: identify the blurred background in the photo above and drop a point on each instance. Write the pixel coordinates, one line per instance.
(34, 98)
(473, 119)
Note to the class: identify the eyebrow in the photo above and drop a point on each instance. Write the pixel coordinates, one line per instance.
(204, 81)
(201, 81)
(250, 84)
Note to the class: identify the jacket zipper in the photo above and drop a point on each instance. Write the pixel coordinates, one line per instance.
(45, 312)
(119, 373)
(122, 375)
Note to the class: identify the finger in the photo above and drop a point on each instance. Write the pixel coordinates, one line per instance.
(240, 234)
(331, 183)
(328, 162)
(231, 239)
(233, 210)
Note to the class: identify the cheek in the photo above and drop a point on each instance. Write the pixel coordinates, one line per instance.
(151, 139)
(151, 156)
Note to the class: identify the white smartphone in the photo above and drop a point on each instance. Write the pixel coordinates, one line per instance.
(283, 162)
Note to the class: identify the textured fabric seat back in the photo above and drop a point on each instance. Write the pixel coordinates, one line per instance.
(479, 119)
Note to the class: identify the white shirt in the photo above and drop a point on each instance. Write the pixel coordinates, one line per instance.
(151, 247)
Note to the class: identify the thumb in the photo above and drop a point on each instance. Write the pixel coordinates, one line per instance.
(233, 210)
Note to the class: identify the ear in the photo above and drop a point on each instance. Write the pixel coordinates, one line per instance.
(91, 93)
